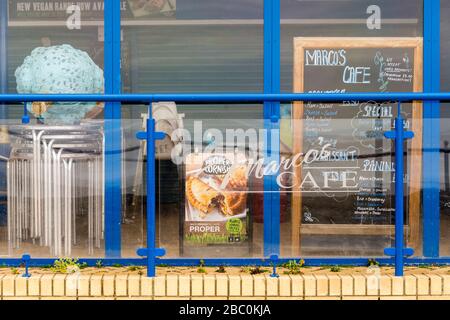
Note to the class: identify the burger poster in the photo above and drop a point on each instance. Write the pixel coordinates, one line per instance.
(216, 207)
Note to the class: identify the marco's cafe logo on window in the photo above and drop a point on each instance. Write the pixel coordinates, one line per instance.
(306, 171)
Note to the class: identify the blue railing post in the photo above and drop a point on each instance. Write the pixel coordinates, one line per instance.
(272, 125)
(151, 252)
(431, 129)
(26, 258)
(113, 131)
(274, 260)
(399, 135)
(25, 116)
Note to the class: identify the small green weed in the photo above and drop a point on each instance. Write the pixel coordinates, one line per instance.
(201, 270)
(335, 269)
(372, 263)
(201, 267)
(67, 265)
(293, 267)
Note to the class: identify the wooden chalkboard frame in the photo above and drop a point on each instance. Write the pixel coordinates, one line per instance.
(302, 43)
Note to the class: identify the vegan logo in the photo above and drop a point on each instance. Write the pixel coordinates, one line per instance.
(234, 226)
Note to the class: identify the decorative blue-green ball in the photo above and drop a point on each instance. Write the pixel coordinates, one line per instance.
(57, 70)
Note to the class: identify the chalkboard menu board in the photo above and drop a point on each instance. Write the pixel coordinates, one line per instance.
(346, 180)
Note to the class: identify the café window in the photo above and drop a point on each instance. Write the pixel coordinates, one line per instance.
(54, 179)
(205, 47)
(341, 203)
(335, 179)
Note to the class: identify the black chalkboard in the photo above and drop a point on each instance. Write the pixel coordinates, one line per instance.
(350, 178)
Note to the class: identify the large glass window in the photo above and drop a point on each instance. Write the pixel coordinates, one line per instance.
(54, 182)
(336, 179)
(205, 47)
(340, 199)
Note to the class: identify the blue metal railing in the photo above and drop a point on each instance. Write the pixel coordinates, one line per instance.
(238, 98)
(151, 252)
(399, 135)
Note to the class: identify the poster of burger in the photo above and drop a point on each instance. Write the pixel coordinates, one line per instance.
(216, 209)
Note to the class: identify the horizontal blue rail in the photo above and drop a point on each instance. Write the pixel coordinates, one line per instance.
(189, 262)
(227, 98)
